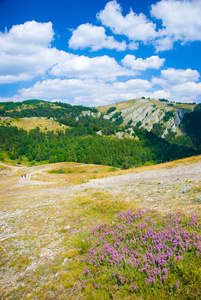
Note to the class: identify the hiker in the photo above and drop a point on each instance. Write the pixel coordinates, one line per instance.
(22, 175)
(25, 175)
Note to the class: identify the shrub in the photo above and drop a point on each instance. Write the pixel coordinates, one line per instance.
(111, 109)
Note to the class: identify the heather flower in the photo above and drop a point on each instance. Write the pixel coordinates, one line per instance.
(86, 271)
(177, 285)
(143, 242)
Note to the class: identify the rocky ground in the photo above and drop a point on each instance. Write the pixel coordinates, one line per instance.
(41, 215)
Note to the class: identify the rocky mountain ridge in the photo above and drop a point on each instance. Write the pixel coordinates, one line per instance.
(144, 113)
(160, 115)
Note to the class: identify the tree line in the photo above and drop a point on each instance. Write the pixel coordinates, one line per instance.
(92, 149)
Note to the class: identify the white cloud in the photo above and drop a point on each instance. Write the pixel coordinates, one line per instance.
(25, 51)
(25, 56)
(27, 65)
(13, 78)
(180, 19)
(180, 76)
(174, 77)
(189, 89)
(161, 94)
(153, 62)
(180, 22)
(93, 92)
(164, 43)
(72, 65)
(94, 37)
(135, 27)
(23, 37)
(88, 92)
(178, 85)
(133, 46)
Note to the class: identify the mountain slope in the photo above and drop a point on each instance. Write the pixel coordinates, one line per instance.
(147, 112)
(110, 135)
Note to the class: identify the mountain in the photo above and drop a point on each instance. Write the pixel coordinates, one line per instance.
(123, 134)
(141, 112)
(144, 113)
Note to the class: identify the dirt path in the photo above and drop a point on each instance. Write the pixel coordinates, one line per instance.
(24, 181)
(27, 180)
(12, 169)
(187, 171)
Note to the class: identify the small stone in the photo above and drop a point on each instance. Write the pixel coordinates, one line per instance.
(29, 295)
(67, 227)
(186, 189)
(45, 204)
(65, 260)
(106, 188)
(198, 198)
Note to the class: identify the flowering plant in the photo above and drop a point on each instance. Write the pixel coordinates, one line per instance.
(141, 253)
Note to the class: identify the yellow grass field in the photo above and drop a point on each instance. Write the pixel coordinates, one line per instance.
(30, 123)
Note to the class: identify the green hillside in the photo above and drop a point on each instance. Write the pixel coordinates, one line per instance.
(61, 132)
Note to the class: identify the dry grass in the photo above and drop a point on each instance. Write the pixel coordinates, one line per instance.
(30, 123)
(130, 103)
(118, 105)
(44, 228)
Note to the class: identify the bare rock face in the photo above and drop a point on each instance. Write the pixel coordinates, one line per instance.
(177, 118)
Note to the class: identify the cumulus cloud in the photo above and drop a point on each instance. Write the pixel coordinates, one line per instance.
(93, 92)
(71, 65)
(94, 37)
(135, 27)
(25, 51)
(164, 43)
(180, 20)
(180, 76)
(23, 37)
(173, 76)
(13, 78)
(25, 55)
(189, 89)
(86, 91)
(178, 85)
(161, 94)
(153, 62)
(186, 92)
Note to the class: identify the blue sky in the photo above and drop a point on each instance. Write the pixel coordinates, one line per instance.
(100, 52)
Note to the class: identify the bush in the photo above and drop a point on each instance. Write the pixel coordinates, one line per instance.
(111, 109)
(139, 123)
